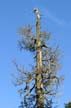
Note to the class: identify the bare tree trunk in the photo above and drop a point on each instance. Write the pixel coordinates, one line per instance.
(39, 78)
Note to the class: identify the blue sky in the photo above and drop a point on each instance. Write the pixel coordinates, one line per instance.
(56, 18)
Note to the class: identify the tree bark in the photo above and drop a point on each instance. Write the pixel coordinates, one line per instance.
(39, 77)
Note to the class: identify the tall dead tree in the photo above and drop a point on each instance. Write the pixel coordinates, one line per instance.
(40, 84)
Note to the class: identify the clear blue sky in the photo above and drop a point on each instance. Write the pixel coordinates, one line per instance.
(56, 15)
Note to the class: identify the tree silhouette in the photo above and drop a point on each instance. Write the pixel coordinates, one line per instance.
(68, 105)
(41, 83)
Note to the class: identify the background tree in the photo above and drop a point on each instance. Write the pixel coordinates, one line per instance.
(68, 105)
(40, 84)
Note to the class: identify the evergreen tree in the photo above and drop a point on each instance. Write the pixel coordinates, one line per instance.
(41, 83)
(68, 105)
